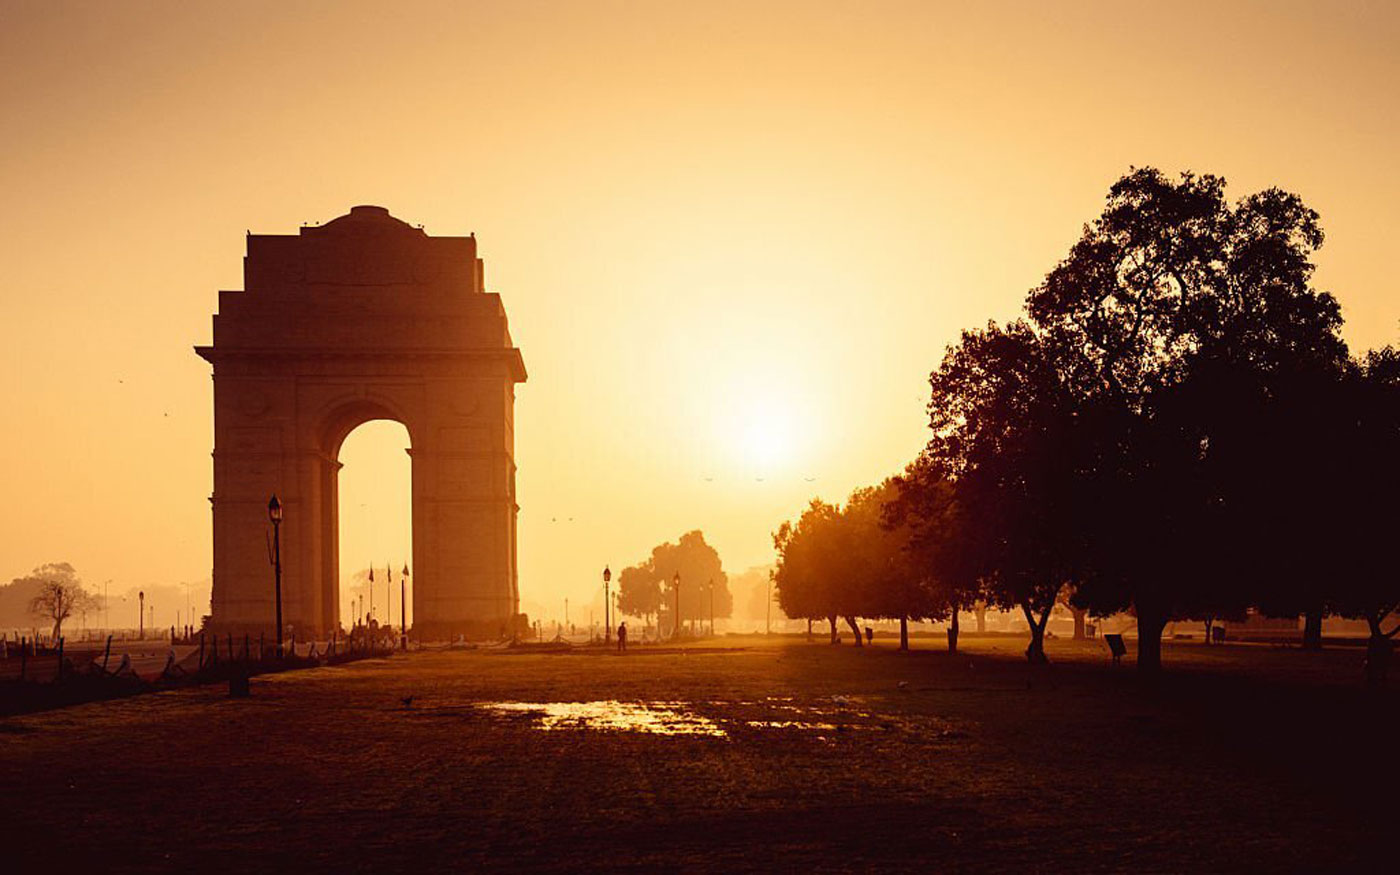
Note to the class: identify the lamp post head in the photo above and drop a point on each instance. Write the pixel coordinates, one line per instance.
(274, 510)
(607, 574)
(676, 578)
(405, 569)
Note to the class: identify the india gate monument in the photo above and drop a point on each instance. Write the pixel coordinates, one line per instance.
(363, 318)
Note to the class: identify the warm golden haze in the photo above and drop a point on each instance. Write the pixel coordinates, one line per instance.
(733, 239)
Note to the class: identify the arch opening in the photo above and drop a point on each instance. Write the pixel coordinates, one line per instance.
(374, 526)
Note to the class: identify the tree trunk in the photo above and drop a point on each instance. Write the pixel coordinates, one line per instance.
(953, 632)
(1035, 651)
(903, 633)
(1379, 649)
(831, 620)
(1312, 630)
(981, 611)
(855, 630)
(1149, 647)
(1079, 615)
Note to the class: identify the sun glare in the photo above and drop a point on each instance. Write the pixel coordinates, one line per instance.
(763, 436)
(767, 439)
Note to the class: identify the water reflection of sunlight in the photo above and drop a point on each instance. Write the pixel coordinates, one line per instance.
(657, 718)
(741, 719)
(787, 724)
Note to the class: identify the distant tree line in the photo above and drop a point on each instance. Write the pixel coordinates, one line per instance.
(1174, 427)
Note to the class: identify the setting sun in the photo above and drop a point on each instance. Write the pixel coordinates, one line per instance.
(767, 439)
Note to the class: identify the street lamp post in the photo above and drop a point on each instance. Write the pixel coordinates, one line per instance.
(769, 621)
(141, 615)
(607, 605)
(403, 607)
(274, 513)
(676, 585)
(712, 607)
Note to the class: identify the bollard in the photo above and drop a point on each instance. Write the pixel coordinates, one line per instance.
(107, 653)
(23, 658)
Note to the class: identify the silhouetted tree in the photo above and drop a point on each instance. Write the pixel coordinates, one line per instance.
(1368, 585)
(889, 580)
(698, 564)
(808, 568)
(1007, 440)
(923, 502)
(60, 595)
(1281, 455)
(1079, 614)
(1172, 306)
(639, 591)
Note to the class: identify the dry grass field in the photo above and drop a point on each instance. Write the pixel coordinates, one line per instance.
(746, 754)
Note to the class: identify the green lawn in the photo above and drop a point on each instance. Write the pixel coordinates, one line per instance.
(1243, 758)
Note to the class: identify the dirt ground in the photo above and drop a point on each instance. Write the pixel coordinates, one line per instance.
(771, 754)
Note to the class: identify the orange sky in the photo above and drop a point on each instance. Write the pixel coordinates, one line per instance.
(732, 238)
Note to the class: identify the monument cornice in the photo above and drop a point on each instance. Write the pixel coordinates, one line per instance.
(510, 355)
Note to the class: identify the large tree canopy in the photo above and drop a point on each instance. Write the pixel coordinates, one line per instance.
(809, 558)
(1007, 438)
(650, 587)
(639, 591)
(1094, 443)
(1369, 514)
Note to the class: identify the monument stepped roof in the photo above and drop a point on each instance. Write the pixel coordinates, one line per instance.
(364, 217)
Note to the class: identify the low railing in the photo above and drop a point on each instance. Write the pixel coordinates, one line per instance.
(36, 678)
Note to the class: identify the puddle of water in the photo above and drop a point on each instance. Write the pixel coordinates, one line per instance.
(679, 718)
(788, 724)
(656, 718)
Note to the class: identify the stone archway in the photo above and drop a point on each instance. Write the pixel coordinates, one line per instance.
(359, 319)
